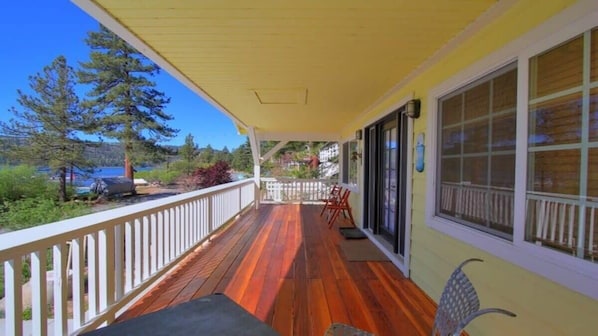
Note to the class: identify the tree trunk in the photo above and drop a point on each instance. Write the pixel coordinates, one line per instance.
(62, 185)
(129, 171)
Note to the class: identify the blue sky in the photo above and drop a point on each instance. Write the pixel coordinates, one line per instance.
(34, 32)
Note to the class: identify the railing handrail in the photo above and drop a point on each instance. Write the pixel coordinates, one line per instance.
(119, 252)
(272, 179)
(17, 243)
(289, 189)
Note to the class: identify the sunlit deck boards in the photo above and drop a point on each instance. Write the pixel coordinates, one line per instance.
(284, 265)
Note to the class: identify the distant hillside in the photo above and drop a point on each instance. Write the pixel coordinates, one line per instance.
(105, 154)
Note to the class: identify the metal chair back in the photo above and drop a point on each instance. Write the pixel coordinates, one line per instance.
(459, 304)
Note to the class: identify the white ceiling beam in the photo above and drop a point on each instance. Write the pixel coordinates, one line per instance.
(255, 146)
(273, 151)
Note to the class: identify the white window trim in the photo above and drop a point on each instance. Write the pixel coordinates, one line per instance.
(353, 187)
(574, 273)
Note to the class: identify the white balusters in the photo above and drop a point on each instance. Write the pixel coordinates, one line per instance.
(162, 246)
(145, 246)
(39, 297)
(92, 274)
(106, 268)
(117, 252)
(78, 271)
(129, 255)
(118, 262)
(138, 256)
(60, 288)
(13, 297)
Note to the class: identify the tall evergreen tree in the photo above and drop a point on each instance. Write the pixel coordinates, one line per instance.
(50, 121)
(188, 152)
(207, 155)
(242, 159)
(131, 110)
(223, 155)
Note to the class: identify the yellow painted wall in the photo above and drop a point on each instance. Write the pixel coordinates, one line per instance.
(543, 307)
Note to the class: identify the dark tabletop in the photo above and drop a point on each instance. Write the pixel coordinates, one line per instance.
(210, 315)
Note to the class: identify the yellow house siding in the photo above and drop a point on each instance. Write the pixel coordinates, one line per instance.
(543, 306)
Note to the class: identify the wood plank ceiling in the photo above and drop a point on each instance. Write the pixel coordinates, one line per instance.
(293, 67)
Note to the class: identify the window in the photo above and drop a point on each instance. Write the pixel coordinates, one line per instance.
(562, 160)
(476, 150)
(351, 158)
(542, 114)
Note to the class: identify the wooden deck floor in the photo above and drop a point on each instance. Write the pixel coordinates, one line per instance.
(284, 265)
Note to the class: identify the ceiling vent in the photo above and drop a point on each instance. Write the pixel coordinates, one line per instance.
(297, 96)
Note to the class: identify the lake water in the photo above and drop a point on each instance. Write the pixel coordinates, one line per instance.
(85, 181)
(82, 180)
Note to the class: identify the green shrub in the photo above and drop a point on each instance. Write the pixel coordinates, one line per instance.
(23, 182)
(162, 176)
(31, 212)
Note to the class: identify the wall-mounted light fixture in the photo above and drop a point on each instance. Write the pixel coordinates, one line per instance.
(412, 108)
(358, 134)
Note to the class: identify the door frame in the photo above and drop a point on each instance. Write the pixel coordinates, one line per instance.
(402, 263)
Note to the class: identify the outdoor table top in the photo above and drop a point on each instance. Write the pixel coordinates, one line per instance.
(215, 314)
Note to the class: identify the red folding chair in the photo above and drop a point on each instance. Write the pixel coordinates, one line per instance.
(334, 196)
(342, 205)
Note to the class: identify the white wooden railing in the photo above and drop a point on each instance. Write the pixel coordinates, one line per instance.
(479, 203)
(289, 190)
(102, 261)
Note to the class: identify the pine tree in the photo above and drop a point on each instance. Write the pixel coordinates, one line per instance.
(50, 122)
(207, 155)
(188, 152)
(223, 155)
(242, 159)
(131, 110)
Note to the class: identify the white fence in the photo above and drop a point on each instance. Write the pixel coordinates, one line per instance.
(102, 261)
(288, 190)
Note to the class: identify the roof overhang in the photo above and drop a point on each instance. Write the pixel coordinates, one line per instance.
(299, 70)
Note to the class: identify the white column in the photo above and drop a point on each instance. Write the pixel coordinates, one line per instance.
(255, 153)
(256, 178)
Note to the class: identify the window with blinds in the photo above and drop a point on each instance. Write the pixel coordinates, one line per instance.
(562, 158)
(476, 146)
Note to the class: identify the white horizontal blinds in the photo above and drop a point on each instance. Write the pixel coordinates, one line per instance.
(477, 153)
(562, 179)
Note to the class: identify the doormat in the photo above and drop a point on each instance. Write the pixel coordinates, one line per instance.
(352, 233)
(361, 250)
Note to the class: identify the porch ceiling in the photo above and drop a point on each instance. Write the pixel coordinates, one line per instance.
(301, 68)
